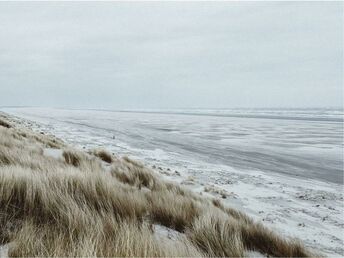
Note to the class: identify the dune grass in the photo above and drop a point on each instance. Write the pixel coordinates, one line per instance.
(4, 124)
(74, 205)
(104, 155)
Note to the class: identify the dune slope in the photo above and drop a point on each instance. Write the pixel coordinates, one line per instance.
(59, 201)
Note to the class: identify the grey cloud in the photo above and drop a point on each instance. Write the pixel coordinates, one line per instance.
(171, 55)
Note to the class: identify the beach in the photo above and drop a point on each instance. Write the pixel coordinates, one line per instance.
(282, 167)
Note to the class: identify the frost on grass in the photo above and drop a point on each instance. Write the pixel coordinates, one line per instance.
(70, 206)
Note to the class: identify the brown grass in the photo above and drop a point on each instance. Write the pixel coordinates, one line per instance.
(72, 157)
(259, 238)
(107, 239)
(4, 124)
(74, 206)
(103, 155)
(217, 235)
(172, 210)
(134, 174)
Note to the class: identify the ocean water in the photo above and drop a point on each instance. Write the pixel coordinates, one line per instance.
(305, 143)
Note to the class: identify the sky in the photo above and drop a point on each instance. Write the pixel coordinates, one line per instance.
(138, 55)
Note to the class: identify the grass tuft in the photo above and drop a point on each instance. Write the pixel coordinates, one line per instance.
(4, 124)
(103, 155)
(217, 235)
(72, 157)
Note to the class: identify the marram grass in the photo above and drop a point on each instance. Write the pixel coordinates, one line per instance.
(76, 205)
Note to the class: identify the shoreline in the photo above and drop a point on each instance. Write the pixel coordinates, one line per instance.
(304, 150)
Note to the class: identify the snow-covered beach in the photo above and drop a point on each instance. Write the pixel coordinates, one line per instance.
(283, 167)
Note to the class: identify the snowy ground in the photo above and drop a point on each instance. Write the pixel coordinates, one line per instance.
(3, 251)
(284, 167)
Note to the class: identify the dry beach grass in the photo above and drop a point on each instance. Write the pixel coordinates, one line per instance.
(96, 204)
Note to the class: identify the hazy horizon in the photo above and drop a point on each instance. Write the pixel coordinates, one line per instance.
(171, 55)
(176, 108)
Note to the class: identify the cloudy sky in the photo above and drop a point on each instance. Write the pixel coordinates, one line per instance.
(171, 55)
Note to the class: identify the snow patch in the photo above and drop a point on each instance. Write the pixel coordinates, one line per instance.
(4, 251)
(54, 153)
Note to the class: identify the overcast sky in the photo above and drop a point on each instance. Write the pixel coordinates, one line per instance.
(171, 55)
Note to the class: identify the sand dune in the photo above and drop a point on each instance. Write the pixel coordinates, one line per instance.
(59, 201)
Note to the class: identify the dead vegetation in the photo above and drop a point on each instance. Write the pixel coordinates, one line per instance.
(73, 206)
(103, 155)
(217, 235)
(4, 124)
(216, 190)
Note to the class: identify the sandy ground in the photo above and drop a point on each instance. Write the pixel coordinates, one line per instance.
(309, 210)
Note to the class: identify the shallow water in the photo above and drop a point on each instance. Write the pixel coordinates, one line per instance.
(306, 143)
